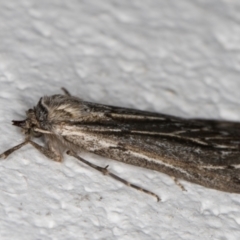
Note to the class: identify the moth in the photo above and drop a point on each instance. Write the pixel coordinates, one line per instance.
(204, 152)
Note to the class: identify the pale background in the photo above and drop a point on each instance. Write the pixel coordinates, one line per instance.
(175, 57)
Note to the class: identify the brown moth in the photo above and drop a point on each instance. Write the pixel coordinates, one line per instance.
(205, 152)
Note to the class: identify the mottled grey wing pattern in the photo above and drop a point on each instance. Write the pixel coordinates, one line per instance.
(205, 152)
(168, 136)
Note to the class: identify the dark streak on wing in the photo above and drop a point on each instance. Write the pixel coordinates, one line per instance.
(153, 135)
(211, 133)
(205, 152)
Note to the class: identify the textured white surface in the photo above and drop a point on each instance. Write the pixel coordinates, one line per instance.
(176, 57)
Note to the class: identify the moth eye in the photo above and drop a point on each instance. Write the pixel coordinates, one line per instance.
(35, 134)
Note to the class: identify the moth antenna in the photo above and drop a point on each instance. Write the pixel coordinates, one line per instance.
(66, 92)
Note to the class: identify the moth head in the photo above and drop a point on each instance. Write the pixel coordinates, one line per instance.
(28, 124)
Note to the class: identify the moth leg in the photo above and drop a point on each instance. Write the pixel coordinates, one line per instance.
(13, 149)
(66, 92)
(106, 172)
(179, 184)
(49, 153)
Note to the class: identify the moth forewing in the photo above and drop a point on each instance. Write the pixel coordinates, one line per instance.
(204, 152)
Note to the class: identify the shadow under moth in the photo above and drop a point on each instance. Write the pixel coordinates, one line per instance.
(205, 152)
